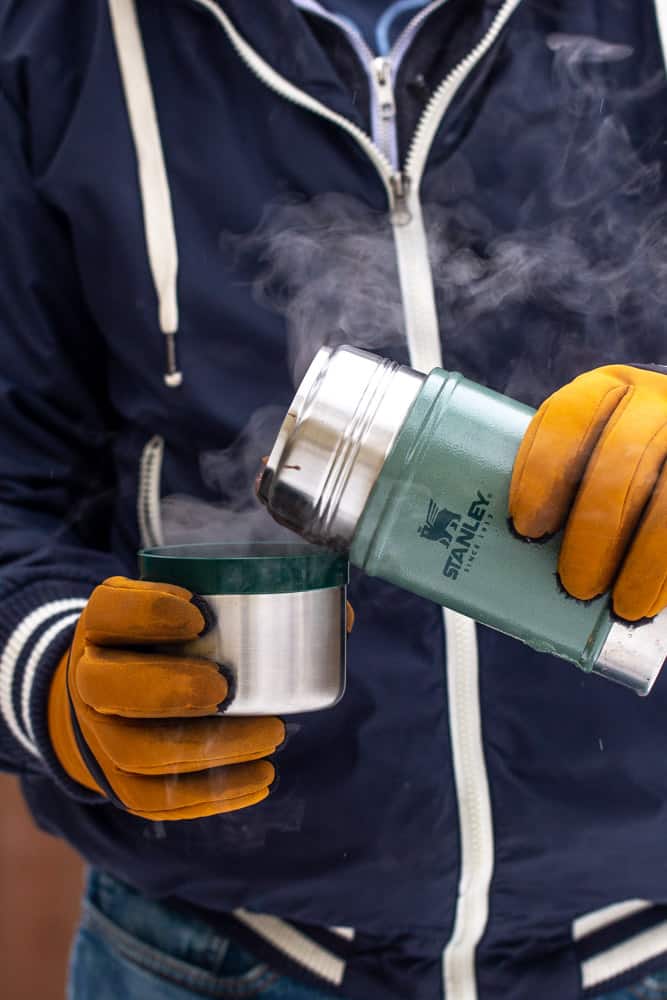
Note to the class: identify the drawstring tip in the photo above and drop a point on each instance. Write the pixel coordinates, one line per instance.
(172, 378)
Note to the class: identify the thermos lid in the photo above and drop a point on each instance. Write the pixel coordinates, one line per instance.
(245, 568)
(333, 442)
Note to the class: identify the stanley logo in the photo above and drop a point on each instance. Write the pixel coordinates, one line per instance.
(460, 534)
(440, 524)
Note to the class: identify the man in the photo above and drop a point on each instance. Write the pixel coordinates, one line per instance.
(496, 834)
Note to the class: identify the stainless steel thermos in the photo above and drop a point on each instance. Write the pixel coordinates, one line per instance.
(410, 475)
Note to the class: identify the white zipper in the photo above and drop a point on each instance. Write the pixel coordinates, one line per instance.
(404, 40)
(421, 318)
(148, 493)
(441, 99)
(290, 92)
(380, 82)
(280, 85)
(384, 117)
(381, 72)
(402, 187)
(474, 805)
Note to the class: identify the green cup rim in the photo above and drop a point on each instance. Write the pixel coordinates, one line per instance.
(244, 567)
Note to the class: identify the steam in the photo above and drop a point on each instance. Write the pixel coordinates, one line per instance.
(578, 59)
(579, 265)
(581, 72)
(584, 267)
(230, 474)
(584, 263)
(329, 266)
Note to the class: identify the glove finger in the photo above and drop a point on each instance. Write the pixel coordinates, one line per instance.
(171, 747)
(200, 794)
(555, 449)
(641, 588)
(123, 612)
(138, 684)
(618, 482)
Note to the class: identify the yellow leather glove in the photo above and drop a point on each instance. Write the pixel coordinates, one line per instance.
(142, 727)
(594, 459)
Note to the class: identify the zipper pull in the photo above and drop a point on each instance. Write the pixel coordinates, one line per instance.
(383, 82)
(400, 191)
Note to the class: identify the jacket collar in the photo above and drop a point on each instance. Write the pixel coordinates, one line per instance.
(281, 34)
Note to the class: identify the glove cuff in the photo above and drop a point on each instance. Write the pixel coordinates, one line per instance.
(36, 628)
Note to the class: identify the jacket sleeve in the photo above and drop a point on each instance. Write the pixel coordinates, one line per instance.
(55, 431)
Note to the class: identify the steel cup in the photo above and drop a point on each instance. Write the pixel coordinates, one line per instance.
(279, 619)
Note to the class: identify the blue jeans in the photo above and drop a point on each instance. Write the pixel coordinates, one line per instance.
(131, 948)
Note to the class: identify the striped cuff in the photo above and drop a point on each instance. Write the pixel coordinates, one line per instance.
(620, 943)
(36, 628)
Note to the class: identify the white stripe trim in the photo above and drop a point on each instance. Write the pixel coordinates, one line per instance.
(661, 17)
(153, 182)
(295, 945)
(12, 652)
(624, 957)
(589, 923)
(36, 655)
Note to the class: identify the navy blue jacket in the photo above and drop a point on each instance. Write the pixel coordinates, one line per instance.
(486, 826)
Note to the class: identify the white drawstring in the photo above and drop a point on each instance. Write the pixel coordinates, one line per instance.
(153, 181)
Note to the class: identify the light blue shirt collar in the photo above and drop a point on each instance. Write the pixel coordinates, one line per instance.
(377, 21)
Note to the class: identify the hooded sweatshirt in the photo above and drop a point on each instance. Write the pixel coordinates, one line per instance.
(186, 188)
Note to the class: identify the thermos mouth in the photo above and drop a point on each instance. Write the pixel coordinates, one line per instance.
(332, 445)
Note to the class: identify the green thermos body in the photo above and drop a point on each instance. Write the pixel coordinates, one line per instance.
(410, 474)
